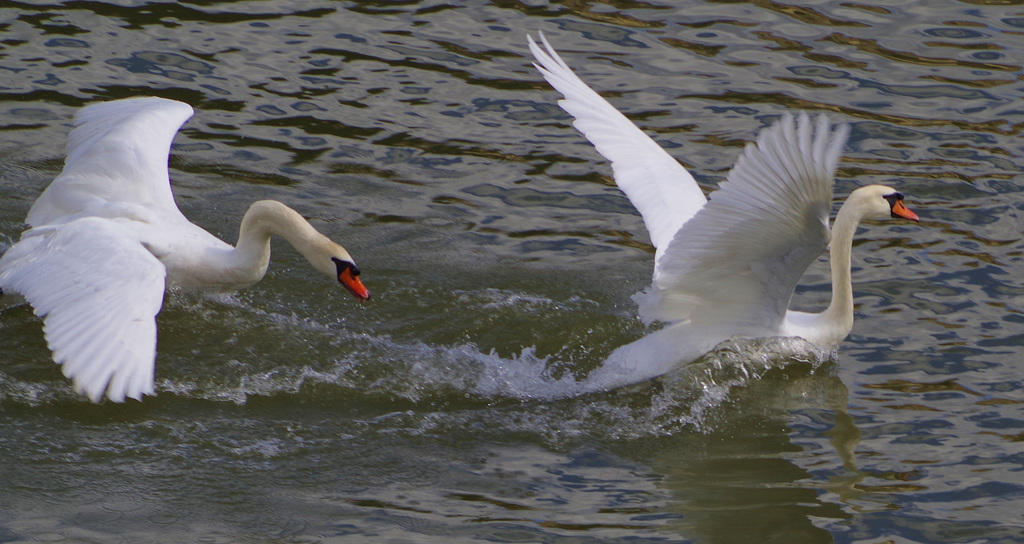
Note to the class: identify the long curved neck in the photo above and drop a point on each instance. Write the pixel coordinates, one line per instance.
(839, 314)
(263, 219)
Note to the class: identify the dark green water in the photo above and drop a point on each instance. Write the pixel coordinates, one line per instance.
(502, 259)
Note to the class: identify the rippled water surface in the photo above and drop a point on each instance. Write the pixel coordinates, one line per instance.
(502, 260)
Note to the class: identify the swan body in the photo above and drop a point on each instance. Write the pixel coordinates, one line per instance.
(727, 267)
(106, 239)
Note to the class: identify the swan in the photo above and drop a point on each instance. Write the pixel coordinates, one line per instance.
(726, 267)
(106, 239)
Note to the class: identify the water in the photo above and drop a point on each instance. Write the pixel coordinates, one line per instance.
(502, 260)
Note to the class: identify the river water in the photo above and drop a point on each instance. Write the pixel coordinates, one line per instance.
(502, 260)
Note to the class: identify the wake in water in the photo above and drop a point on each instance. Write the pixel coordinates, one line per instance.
(460, 388)
(421, 389)
(435, 386)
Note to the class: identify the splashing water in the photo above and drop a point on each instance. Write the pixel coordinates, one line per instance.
(442, 386)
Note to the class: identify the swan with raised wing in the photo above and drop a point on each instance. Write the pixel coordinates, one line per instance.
(106, 238)
(727, 267)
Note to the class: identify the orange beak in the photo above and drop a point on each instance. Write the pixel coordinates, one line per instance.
(354, 285)
(899, 210)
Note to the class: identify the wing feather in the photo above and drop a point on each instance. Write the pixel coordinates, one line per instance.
(664, 193)
(739, 259)
(116, 157)
(98, 291)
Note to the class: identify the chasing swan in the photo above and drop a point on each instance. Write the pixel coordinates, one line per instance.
(106, 238)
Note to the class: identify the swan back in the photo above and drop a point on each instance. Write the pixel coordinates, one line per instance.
(116, 162)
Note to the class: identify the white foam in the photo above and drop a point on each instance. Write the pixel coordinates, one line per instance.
(446, 385)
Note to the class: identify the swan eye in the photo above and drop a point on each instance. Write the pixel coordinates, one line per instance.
(897, 209)
(893, 198)
(345, 265)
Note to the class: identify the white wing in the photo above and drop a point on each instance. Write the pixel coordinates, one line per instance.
(664, 193)
(98, 290)
(116, 158)
(739, 259)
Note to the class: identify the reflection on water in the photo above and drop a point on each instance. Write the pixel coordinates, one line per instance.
(502, 259)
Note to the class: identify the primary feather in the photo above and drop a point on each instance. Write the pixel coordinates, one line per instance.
(664, 193)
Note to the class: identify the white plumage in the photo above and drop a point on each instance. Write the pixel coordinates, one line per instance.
(107, 236)
(727, 267)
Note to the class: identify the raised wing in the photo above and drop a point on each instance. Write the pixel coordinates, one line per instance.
(116, 158)
(664, 193)
(98, 291)
(739, 259)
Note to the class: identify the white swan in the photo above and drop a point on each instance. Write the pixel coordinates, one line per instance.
(106, 236)
(726, 267)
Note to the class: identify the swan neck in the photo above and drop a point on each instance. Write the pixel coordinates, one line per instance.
(839, 314)
(269, 217)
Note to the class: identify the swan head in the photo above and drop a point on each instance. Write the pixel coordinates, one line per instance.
(881, 202)
(341, 266)
(348, 275)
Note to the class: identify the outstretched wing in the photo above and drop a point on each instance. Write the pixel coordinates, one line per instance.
(116, 158)
(98, 290)
(739, 259)
(664, 193)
